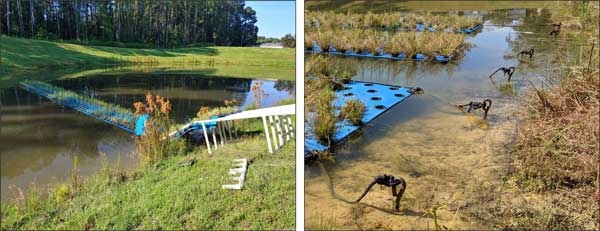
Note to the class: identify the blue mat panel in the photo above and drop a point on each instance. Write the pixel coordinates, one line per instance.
(378, 98)
(86, 107)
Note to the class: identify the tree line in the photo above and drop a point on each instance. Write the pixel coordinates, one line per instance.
(163, 23)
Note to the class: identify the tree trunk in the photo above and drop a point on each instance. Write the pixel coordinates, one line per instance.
(31, 18)
(21, 28)
(118, 15)
(77, 18)
(57, 23)
(195, 23)
(7, 17)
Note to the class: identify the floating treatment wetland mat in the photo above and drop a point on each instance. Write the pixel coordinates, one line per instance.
(103, 111)
(378, 98)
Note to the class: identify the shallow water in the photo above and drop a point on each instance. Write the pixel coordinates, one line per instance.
(38, 138)
(444, 155)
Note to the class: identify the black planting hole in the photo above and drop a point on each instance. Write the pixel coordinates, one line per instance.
(399, 95)
(376, 98)
(368, 84)
(394, 88)
(380, 107)
(349, 94)
(371, 91)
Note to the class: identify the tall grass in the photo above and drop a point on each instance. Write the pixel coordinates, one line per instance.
(206, 113)
(155, 144)
(353, 111)
(374, 41)
(557, 143)
(329, 20)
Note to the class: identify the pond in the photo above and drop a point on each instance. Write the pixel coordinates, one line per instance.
(444, 155)
(38, 138)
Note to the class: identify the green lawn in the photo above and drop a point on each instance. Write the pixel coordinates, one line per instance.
(44, 60)
(170, 196)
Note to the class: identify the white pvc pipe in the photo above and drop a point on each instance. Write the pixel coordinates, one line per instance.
(272, 124)
(220, 129)
(279, 127)
(292, 127)
(214, 137)
(267, 134)
(207, 141)
(287, 128)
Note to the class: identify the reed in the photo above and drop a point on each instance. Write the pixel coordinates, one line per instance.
(308, 42)
(330, 20)
(323, 123)
(410, 43)
(353, 111)
(324, 39)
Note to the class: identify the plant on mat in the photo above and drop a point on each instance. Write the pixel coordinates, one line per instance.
(353, 111)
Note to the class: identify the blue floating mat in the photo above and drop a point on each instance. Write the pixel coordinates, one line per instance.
(123, 120)
(378, 98)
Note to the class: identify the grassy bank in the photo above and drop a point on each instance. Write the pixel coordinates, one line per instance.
(171, 196)
(21, 58)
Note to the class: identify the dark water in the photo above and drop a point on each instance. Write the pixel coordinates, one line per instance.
(38, 138)
(440, 151)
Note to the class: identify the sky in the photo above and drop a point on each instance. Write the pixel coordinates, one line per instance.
(275, 18)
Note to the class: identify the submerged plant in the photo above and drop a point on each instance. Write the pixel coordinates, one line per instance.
(353, 111)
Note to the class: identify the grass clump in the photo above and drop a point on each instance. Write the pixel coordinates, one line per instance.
(323, 123)
(205, 113)
(353, 111)
(155, 144)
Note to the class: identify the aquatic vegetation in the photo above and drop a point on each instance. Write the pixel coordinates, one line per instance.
(95, 107)
(329, 20)
(353, 111)
(323, 123)
(205, 113)
(378, 43)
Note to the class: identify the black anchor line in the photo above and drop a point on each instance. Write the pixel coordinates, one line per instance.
(507, 71)
(526, 52)
(388, 181)
(485, 105)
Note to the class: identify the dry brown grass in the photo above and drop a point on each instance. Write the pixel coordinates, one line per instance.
(557, 143)
(556, 154)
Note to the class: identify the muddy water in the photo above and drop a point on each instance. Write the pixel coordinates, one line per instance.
(39, 138)
(446, 156)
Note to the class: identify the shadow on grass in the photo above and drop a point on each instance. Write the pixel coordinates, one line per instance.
(28, 54)
(208, 51)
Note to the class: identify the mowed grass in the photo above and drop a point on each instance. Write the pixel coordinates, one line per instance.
(22, 58)
(170, 196)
